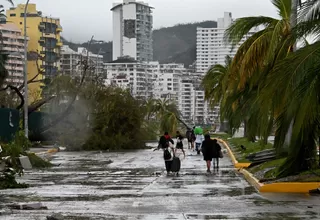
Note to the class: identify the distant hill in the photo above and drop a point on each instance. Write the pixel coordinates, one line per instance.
(171, 44)
(178, 43)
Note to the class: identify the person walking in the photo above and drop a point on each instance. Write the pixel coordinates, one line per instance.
(208, 151)
(189, 137)
(164, 144)
(193, 139)
(216, 154)
(198, 141)
(179, 145)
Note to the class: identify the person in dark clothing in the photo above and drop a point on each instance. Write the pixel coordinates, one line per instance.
(180, 143)
(216, 154)
(189, 137)
(208, 151)
(164, 143)
(165, 140)
(193, 138)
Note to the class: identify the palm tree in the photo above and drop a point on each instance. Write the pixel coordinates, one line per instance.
(167, 113)
(262, 63)
(297, 78)
(255, 58)
(214, 82)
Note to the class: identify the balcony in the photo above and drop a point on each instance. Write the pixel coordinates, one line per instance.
(59, 28)
(59, 44)
(42, 26)
(49, 35)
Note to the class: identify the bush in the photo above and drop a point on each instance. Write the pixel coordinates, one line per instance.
(8, 181)
(38, 162)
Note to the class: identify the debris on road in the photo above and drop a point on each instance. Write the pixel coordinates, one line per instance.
(28, 206)
(55, 217)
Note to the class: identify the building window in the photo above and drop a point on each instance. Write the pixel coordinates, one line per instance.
(12, 15)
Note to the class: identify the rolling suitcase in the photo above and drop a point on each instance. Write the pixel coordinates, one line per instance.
(176, 164)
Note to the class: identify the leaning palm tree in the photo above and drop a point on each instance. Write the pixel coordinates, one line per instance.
(257, 56)
(302, 105)
(215, 82)
(297, 78)
(277, 71)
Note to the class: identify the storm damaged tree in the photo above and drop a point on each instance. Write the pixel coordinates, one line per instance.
(39, 77)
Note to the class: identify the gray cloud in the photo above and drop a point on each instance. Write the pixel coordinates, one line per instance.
(83, 18)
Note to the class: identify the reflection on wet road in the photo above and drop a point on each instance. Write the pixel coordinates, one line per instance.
(133, 185)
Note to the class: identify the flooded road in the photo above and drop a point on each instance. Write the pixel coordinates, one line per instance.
(133, 185)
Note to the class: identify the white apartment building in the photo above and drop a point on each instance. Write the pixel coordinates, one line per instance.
(163, 81)
(128, 73)
(192, 105)
(13, 46)
(211, 48)
(132, 30)
(95, 61)
(168, 80)
(187, 100)
(70, 61)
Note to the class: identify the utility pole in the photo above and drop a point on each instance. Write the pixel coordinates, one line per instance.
(26, 101)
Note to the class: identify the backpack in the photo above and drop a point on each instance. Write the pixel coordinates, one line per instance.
(167, 155)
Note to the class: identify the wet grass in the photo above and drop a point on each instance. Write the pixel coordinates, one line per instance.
(223, 136)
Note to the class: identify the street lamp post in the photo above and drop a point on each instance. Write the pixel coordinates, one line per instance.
(26, 102)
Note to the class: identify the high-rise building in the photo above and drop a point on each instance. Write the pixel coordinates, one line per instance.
(167, 83)
(13, 46)
(211, 48)
(127, 73)
(70, 61)
(132, 30)
(43, 46)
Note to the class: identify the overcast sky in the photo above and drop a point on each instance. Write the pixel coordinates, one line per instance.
(83, 18)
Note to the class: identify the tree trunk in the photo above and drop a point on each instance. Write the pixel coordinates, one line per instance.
(293, 23)
(248, 133)
(301, 156)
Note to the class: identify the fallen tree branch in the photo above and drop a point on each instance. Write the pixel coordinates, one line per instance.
(70, 105)
(17, 91)
(38, 104)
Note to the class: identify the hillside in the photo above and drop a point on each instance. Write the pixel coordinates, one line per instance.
(177, 43)
(172, 44)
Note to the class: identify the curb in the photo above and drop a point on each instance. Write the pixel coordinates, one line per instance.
(233, 158)
(281, 187)
(251, 179)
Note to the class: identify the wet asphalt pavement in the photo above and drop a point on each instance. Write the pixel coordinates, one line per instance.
(133, 185)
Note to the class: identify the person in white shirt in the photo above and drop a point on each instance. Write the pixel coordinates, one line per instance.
(199, 140)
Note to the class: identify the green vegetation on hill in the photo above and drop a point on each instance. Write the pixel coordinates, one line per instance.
(171, 44)
(178, 43)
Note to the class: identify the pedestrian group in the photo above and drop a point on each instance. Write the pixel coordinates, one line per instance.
(210, 149)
